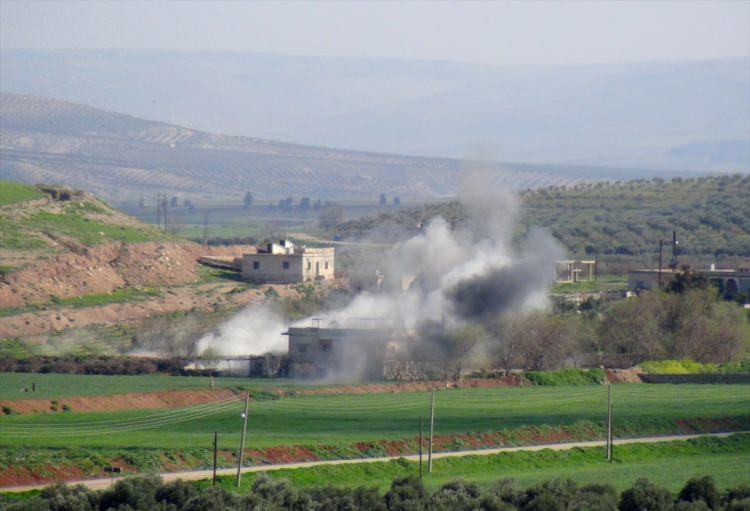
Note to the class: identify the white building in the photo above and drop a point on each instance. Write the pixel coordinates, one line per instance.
(285, 263)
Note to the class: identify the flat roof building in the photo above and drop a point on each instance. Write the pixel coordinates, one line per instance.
(286, 263)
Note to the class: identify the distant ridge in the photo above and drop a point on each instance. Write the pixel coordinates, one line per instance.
(119, 156)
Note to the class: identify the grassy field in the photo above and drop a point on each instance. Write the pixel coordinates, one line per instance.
(602, 284)
(669, 464)
(84, 219)
(12, 193)
(345, 419)
(54, 386)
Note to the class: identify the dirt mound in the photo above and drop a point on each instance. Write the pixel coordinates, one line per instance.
(103, 269)
(631, 375)
(133, 401)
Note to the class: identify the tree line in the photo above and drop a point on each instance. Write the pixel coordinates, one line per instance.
(695, 324)
(405, 494)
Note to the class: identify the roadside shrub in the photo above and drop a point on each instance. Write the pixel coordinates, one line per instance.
(701, 489)
(136, 492)
(457, 495)
(645, 496)
(741, 492)
(406, 494)
(177, 493)
(698, 505)
(567, 377)
(64, 498)
(687, 366)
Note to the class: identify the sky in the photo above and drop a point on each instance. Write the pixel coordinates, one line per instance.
(497, 33)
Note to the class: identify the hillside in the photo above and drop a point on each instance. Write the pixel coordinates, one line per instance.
(121, 157)
(669, 115)
(711, 216)
(76, 273)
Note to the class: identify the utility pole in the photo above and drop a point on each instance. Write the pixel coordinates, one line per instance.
(216, 443)
(596, 265)
(432, 429)
(205, 228)
(420, 447)
(158, 211)
(242, 440)
(673, 262)
(165, 213)
(609, 422)
(661, 245)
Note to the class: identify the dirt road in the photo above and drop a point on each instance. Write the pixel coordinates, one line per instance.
(195, 475)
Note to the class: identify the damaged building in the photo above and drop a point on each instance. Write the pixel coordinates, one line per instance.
(365, 353)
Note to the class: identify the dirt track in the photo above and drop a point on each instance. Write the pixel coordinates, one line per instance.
(196, 475)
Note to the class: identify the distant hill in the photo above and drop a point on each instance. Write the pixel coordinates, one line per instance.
(711, 216)
(121, 157)
(623, 115)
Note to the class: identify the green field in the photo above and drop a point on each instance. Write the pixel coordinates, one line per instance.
(668, 464)
(603, 284)
(12, 193)
(54, 386)
(340, 420)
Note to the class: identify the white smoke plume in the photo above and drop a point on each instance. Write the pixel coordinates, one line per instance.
(455, 274)
(253, 331)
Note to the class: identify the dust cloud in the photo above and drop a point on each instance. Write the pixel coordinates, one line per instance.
(447, 275)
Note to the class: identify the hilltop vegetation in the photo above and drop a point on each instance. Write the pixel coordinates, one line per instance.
(711, 216)
(78, 221)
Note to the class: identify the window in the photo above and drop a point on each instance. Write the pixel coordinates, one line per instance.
(309, 265)
(302, 348)
(326, 266)
(256, 265)
(285, 264)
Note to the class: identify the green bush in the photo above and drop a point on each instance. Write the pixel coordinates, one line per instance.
(567, 377)
(405, 494)
(690, 367)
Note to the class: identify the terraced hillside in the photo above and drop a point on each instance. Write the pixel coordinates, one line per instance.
(118, 156)
(711, 216)
(75, 272)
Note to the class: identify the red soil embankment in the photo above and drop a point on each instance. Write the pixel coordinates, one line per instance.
(132, 401)
(417, 386)
(525, 435)
(105, 268)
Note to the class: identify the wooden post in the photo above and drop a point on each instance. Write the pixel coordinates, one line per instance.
(242, 440)
(658, 278)
(420, 447)
(609, 422)
(216, 447)
(432, 430)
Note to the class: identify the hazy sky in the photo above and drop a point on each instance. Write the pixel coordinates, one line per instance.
(492, 32)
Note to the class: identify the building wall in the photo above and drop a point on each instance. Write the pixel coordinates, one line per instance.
(318, 263)
(348, 354)
(301, 265)
(271, 268)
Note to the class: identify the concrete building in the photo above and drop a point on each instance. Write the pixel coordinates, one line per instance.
(285, 263)
(340, 353)
(574, 271)
(730, 281)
